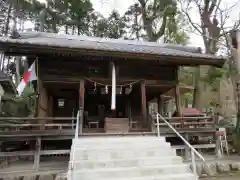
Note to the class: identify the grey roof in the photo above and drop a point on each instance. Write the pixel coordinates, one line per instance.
(102, 44)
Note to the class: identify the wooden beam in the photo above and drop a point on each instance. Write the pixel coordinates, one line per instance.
(120, 80)
(144, 103)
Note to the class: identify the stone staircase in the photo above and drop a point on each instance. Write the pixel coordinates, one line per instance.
(126, 158)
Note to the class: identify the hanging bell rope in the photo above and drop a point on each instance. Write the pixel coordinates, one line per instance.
(113, 99)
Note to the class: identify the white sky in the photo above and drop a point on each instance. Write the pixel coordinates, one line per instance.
(106, 6)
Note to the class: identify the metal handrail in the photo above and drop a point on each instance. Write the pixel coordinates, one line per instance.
(193, 150)
(77, 125)
(73, 148)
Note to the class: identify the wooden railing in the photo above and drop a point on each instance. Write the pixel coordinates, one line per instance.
(36, 118)
(16, 126)
(188, 122)
(34, 123)
(194, 153)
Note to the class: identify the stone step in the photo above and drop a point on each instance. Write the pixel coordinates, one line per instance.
(124, 154)
(119, 139)
(126, 158)
(130, 172)
(181, 176)
(96, 141)
(133, 162)
(135, 145)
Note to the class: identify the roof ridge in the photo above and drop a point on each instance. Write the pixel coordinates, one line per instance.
(178, 47)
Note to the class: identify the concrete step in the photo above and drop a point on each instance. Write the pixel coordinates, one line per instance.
(126, 158)
(181, 176)
(130, 172)
(116, 140)
(124, 154)
(136, 145)
(133, 162)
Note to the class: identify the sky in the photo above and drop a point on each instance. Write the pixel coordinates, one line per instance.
(106, 6)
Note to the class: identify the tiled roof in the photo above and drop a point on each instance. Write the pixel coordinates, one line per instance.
(110, 45)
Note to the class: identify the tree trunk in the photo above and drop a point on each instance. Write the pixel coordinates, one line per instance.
(197, 89)
(238, 108)
(8, 61)
(237, 57)
(6, 29)
(234, 83)
(14, 27)
(73, 30)
(17, 63)
(66, 29)
(78, 30)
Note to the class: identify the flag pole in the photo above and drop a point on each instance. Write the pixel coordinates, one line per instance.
(38, 89)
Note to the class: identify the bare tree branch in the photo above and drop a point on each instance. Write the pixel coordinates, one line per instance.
(189, 18)
(217, 6)
(213, 5)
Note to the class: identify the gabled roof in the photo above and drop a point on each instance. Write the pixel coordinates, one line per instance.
(150, 50)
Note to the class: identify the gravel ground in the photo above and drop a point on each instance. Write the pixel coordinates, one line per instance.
(224, 177)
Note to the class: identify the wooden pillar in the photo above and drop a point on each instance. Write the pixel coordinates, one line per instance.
(144, 104)
(54, 176)
(178, 101)
(37, 177)
(21, 178)
(160, 105)
(37, 153)
(177, 95)
(81, 105)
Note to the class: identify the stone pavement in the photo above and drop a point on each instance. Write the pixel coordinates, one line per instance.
(224, 165)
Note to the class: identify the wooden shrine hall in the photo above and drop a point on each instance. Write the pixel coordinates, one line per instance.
(110, 84)
(76, 72)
